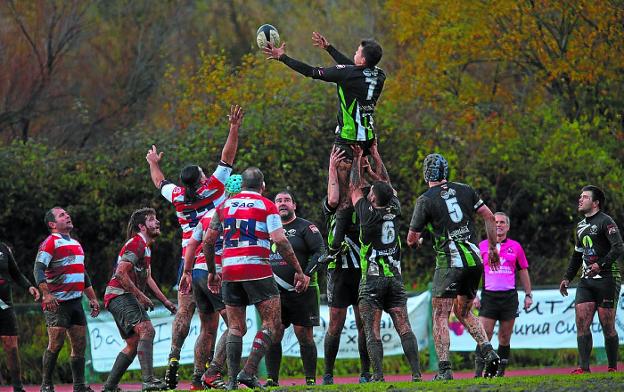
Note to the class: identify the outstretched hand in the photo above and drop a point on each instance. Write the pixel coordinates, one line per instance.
(337, 156)
(153, 156)
(236, 116)
(319, 40)
(274, 53)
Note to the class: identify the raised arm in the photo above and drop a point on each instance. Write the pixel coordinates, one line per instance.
(231, 144)
(380, 168)
(490, 228)
(153, 158)
(355, 182)
(333, 192)
(331, 74)
(320, 41)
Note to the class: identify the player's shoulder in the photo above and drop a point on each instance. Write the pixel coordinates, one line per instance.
(49, 241)
(304, 224)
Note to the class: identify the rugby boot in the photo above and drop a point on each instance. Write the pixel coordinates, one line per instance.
(611, 370)
(231, 385)
(479, 365)
(171, 374)
(249, 380)
(47, 388)
(580, 371)
(154, 385)
(501, 368)
(328, 379)
(83, 388)
(492, 361)
(416, 377)
(310, 381)
(271, 383)
(213, 381)
(365, 377)
(444, 371)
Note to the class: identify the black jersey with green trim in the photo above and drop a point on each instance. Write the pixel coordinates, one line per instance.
(447, 211)
(598, 239)
(349, 257)
(380, 253)
(307, 242)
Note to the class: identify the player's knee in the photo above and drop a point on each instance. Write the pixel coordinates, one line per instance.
(146, 331)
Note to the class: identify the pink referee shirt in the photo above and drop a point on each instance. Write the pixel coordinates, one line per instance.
(511, 257)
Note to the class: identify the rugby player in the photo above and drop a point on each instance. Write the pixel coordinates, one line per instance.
(499, 299)
(598, 247)
(126, 299)
(198, 195)
(61, 276)
(447, 210)
(299, 309)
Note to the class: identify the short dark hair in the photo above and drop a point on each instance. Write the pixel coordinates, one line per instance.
(137, 218)
(49, 216)
(190, 176)
(383, 193)
(372, 51)
(252, 179)
(597, 194)
(285, 192)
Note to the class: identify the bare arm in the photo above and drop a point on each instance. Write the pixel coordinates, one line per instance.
(153, 158)
(151, 283)
(209, 241)
(526, 283)
(333, 192)
(413, 239)
(490, 228)
(122, 274)
(231, 144)
(380, 168)
(355, 182)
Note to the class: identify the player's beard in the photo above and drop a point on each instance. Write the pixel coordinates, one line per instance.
(286, 215)
(154, 232)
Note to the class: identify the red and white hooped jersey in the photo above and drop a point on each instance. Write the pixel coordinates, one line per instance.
(138, 252)
(198, 235)
(65, 271)
(210, 194)
(247, 218)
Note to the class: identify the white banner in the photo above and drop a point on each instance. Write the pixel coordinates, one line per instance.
(549, 323)
(106, 342)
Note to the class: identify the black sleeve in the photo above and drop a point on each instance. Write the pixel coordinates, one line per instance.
(39, 272)
(14, 271)
(617, 246)
(420, 216)
(476, 200)
(331, 74)
(87, 279)
(296, 65)
(365, 211)
(575, 263)
(338, 57)
(316, 246)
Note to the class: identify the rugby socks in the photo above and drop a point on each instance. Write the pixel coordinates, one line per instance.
(261, 343)
(218, 359)
(585, 347)
(611, 347)
(145, 350)
(364, 358)
(273, 359)
(13, 363)
(119, 368)
(375, 351)
(49, 363)
(77, 365)
(331, 345)
(175, 352)
(234, 350)
(503, 352)
(410, 348)
(308, 357)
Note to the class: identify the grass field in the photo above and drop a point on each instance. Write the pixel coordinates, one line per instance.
(596, 382)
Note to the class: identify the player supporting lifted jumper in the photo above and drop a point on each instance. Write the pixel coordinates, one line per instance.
(598, 246)
(198, 195)
(359, 84)
(447, 210)
(126, 299)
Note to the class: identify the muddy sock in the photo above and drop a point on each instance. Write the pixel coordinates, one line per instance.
(49, 363)
(410, 348)
(261, 343)
(331, 345)
(13, 363)
(175, 352)
(234, 350)
(444, 365)
(145, 350)
(611, 347)
(585, 347)
(503, 351)
(364, 358)
(218, 359)
(308, 357)
(273, 360)
(77, 365)
(375, 352)
(119, 368)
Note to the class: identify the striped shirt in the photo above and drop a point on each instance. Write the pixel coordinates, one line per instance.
(136, 251)
(198, 234)
(210, 194)
(65, 270)
(247, 219)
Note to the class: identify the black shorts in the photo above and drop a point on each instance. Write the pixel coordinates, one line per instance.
(605, 292)
(343, 285)
(207, 302)
(127, 312)
(249, 292)
(451, 282)
(345, 145)
(68, 313)
(499, 305)
(383, 292)
(8, 322)
(301, 309)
